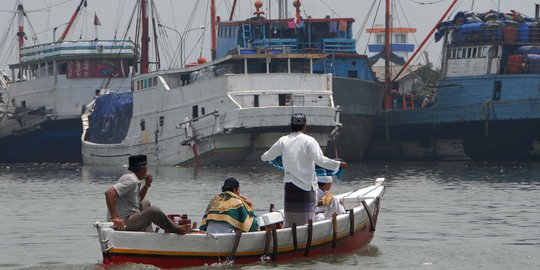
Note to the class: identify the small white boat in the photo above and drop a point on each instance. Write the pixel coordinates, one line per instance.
(342, 234)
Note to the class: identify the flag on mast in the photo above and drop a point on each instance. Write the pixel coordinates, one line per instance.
(96, 20)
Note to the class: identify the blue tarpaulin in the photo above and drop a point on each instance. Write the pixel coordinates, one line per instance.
(109, 122)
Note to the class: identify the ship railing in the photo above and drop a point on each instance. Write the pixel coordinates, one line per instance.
(344, 45)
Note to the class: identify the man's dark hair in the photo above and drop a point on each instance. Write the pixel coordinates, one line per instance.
(230, 184)
(296, 128)
(321, 184)
(298, 121)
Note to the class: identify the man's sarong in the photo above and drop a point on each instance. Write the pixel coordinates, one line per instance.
(230, 209)
(299, 205)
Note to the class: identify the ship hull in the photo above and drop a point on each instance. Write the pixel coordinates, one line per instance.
(50, 141)
(235, 133)
(458, 128)
(359, 101)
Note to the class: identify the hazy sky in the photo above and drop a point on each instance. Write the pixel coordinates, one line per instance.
(176, 14)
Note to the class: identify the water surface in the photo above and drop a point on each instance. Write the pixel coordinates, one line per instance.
(434, 215)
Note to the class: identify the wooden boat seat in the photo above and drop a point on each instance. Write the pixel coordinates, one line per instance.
(270, 218)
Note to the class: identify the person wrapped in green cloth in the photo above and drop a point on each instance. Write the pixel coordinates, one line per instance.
(229, 211)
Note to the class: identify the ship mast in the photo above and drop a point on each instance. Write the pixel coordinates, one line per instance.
(72, 20)
(144, 37)
(213, 25)
(387, 53)
(20, 20)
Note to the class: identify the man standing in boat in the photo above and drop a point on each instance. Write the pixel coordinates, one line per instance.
(127, 207)
(300, 153)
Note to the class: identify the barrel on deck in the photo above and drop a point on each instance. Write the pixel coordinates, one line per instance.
(510, 32)
(514, 64)
(532, 63)
(523, 32)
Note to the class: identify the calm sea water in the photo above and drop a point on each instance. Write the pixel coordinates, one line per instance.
(433, 215)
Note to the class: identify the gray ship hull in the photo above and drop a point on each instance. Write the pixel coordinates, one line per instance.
(359, 101)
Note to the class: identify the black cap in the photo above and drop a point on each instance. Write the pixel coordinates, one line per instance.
(230, 184)
(298, 119)
(137, 161)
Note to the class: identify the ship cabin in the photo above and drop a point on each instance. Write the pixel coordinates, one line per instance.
(75, 60)
(261, 63)
(332, 37)
(496, 48)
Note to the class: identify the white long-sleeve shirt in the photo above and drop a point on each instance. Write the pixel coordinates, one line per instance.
(300, 153)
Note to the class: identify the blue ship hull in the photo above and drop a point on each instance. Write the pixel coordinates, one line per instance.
(482, 122)
(54, 141)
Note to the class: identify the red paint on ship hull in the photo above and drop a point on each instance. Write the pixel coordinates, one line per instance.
(344, 245)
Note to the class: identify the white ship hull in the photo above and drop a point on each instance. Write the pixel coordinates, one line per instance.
(231, 129)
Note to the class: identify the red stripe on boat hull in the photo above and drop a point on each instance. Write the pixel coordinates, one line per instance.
(346, 244)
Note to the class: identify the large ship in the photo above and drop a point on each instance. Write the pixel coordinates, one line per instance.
(486, 106)
(40, 110)
(355, 89)
(230, 110)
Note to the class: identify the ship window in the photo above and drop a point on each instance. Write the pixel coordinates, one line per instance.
(464, 53)
(469, 52)
(195, 111)
(23, 103)
(203, 111)
(256, 101)
(475, 52)
(380, 39)
(352, 73)
(284, 99)
(143, 125)
(145, 83)
(62, 69)
(401, 38)
(161, 120)
(459, 53)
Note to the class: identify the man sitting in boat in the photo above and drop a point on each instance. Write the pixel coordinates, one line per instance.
(327, 204)
(127, 207)
(229, 211)
(300, 152)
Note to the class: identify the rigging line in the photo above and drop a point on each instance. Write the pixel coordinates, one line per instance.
(409, 25)
(364, 23)
(189, 24)
(206, 22)
(428, 3)
(118, 19)
(34, 36)
(173, 14)
(373, 24)
(135, 8)
(333, 11)
(48, 22)
(8, 55)
(48, 7)
(7, 32)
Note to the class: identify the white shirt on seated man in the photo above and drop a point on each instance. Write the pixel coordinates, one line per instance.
(327, 204)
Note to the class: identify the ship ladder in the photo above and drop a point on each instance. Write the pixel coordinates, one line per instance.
(408, 102)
